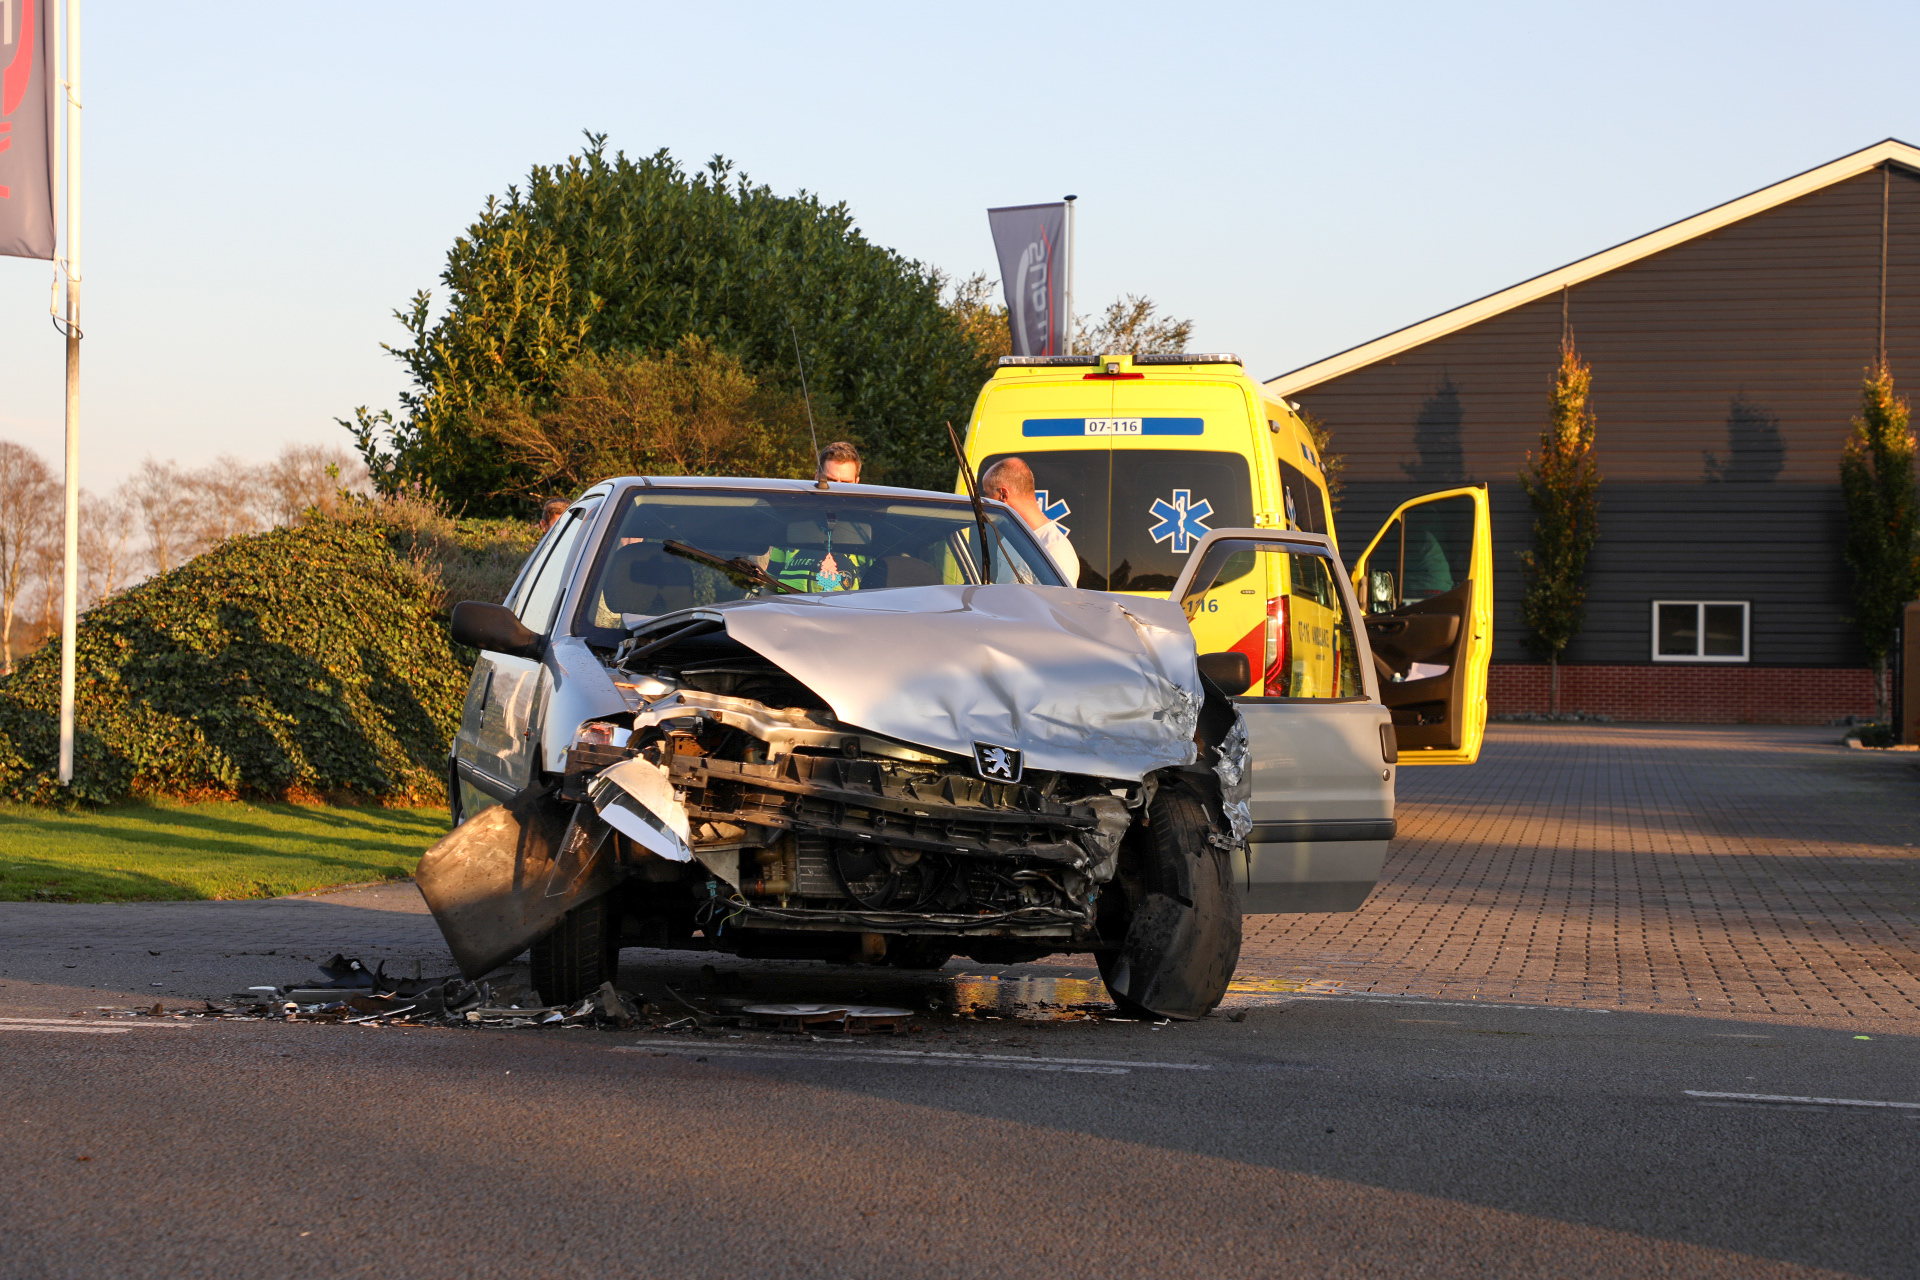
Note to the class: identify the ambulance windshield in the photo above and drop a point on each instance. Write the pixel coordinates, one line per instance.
(1134, 515)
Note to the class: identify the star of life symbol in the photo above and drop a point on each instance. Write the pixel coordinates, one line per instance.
(1182, 520)
(996, 764)
(1054, 509)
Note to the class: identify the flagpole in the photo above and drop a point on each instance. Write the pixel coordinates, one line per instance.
(1067, 329)
(70, 584)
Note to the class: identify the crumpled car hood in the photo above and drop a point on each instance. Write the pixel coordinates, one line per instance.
(1080, 681)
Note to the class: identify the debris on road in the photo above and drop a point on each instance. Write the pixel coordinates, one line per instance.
(351, 993)
(853, 1019)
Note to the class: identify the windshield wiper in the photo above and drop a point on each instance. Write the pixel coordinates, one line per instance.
(740, 571)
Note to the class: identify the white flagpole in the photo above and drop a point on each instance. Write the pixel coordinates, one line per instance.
(70, 585)
(1067, 329)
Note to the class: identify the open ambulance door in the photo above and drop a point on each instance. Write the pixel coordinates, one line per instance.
(1425, 585)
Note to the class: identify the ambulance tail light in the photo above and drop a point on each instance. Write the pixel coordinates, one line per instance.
(1265, 646)
(1274, 668)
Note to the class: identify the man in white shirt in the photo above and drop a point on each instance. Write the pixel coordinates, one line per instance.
(1010, 480)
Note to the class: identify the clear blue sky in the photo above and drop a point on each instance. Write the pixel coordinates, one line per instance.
(266, 182)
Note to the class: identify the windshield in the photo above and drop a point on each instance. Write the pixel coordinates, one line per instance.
(807, 541)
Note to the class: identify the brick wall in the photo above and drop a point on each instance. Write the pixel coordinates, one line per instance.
(1689, 694)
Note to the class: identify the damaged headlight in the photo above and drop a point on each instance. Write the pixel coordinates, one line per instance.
(599, 733)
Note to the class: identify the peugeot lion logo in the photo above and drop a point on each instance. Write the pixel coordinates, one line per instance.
(996, 764)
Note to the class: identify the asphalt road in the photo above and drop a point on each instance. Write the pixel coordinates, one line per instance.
(1489, 1070)
(1344, 1136)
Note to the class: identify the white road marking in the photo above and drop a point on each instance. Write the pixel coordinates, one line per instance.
(925, 1057)
(1786, 1098)
(804, 1056)
(69, 1025)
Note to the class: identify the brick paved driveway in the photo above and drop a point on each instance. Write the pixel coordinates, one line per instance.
(1733, 870)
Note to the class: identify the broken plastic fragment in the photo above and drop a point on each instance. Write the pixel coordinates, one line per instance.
(635, 799)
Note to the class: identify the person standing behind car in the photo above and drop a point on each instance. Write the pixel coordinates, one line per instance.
(839, 463)
(1010, 480)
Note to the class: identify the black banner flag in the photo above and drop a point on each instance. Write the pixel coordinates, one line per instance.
(1030, 240)
(26, 128)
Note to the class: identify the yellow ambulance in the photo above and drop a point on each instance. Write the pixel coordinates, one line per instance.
(1140, 457)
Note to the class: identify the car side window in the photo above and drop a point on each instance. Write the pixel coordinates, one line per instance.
(1280, 605)
(547, 583)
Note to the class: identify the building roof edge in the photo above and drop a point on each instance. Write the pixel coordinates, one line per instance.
(1620, 255)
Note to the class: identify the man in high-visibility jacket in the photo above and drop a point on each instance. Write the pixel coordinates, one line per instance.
(822, 568)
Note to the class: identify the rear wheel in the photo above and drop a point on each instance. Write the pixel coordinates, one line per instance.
(580, 953)
(1182, 938)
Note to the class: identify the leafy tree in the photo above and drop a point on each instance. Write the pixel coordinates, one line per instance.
(1331, 464)
(1883, 528)
(608, 254)
(1563, 485)
(982, 317)
(29, 516)
(1130, 324)
(693, 411)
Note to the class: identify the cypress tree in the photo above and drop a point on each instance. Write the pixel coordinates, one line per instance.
(1883, 533)
(1563, 486)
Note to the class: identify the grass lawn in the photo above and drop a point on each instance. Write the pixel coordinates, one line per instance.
(152, 851)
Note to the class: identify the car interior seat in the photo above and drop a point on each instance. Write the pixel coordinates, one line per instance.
(642, 578)
(903, 571)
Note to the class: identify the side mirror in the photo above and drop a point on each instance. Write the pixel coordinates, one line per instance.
(491, 626)
(1380, 593)
(1230, 672)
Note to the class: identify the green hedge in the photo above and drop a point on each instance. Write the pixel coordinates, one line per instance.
(300, 663)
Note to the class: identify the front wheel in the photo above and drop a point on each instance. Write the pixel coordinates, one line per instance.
(571, 961)
(1182, 937)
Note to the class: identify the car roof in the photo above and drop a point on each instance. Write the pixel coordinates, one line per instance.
(767, 484)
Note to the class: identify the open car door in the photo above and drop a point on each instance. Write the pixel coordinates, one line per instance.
(1426, 584)
(1320, 742)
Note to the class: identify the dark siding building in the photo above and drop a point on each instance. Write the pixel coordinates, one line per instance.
(1727, 354)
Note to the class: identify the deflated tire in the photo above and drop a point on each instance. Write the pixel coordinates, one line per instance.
(1183, 931)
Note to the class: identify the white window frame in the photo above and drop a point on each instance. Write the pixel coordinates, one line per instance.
(1700, 632)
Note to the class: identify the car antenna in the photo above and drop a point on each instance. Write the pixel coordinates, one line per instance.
(807, 400)
(979, 512)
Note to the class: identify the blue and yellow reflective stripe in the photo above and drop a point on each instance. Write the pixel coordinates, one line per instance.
(1113, 427)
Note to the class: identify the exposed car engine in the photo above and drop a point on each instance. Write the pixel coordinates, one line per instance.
(800, 823)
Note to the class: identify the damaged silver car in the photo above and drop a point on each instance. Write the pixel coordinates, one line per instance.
(788, 720)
